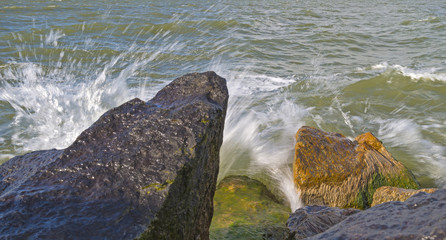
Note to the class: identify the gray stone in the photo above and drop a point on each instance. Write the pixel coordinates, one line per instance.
(311, 220)
(423, 216)
(143, 167)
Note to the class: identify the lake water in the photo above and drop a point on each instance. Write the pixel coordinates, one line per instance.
(343, 66)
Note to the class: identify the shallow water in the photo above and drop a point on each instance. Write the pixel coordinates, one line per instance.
(343, 66)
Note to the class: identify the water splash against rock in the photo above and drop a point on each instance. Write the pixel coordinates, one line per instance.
(259, 132)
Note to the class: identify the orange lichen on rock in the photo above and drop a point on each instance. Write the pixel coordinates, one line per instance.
(330, 169)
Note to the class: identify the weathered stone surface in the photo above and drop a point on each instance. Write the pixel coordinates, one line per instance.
(142, 167)
(387, 194)
(330, 169)
(311, 220)
(423, 216)
(246, 209)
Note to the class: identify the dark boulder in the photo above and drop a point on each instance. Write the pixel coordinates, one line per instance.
(311, 220)
(145, 168)
(422, 216)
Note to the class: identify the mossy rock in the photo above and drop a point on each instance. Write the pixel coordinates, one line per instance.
(387, 194)
(245, 209)
(365, 196)
(330, 169)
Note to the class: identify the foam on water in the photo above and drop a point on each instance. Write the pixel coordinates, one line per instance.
(55, 99)
(51, 113)
(284, 70)
(261, 132)
(429, 74)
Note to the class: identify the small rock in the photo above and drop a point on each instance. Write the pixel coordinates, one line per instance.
(330, 169)
(311, 220)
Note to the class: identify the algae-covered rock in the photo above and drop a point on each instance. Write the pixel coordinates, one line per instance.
(330, 169)
(141, 167)
(311, 220)
(422, 216)
(387, 194)
(245, 209)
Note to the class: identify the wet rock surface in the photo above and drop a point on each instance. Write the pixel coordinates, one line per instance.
(246, 209)
(330, 169)
(422, 216)
(311, 220)
(387, 194)
(143, 167)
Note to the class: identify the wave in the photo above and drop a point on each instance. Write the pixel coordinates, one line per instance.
(429, 74)
(404, 108)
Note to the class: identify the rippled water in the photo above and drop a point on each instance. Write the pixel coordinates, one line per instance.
(344, 66)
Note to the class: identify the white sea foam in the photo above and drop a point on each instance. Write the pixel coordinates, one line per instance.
(244, 83)
(50, 111)
(429, 19)
(430, 74)
(399, 132)
(424, 74)
(264, 134)
(383, 65)
(55, 101)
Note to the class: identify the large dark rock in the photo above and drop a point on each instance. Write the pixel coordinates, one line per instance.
(330, 169)
(142, 167)
(311, 220)
(423, 216)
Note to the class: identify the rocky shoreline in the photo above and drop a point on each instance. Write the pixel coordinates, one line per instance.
(148, 170)
(143, 169)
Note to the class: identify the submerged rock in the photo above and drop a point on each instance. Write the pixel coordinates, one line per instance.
(387, 194)
(423, 216)
(246, 209)
(311, 220)
(142, 167)
(330, 169)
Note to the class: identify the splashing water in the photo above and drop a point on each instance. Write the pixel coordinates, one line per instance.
(50, 113)
(63, 65)
(407, 134)
(53, 36)
(55, 101)
(259, 140)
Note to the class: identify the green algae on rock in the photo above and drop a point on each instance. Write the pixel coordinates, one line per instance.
(245, 209)
(330, 169)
